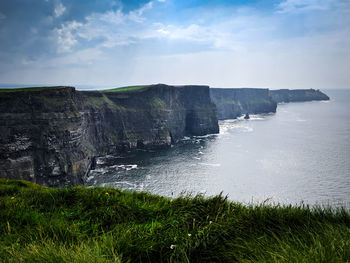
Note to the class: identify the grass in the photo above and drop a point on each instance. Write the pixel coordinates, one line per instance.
(127, 88)
(28, 89)
(79, 224)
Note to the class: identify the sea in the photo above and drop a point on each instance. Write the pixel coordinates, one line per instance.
(299, 155)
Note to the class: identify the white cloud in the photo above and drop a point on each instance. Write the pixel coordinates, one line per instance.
(59, 9)
(66, 36)
(191, 32)
(244, 48)
(116, 28)
(111, 29)
(298, 6)
(233, 33)
(137, 15)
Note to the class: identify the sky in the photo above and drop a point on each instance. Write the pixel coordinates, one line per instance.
(231, 43)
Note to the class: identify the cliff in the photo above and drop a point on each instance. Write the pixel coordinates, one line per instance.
(51, 135)
(286, 95)
(232, 103)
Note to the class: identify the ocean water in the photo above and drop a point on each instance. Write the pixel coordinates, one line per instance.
(301, 154)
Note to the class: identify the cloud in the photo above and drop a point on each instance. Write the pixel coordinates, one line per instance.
(66, 36)
(59, 9)
(117, 28)
(234, 32)
(137, 15)
(109, 29)
(299, 6)
(191, 32)
(293, 44)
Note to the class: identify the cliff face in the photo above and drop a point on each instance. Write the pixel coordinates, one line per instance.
(41, 136)
(232, 103)
(51, 136)
(286, 95)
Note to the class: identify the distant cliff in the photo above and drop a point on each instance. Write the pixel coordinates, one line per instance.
(51, 135)
(286, 95)
(232, 103)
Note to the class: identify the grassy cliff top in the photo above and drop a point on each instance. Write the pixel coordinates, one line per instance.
(32, 89)
(127, 88)
(79, 224)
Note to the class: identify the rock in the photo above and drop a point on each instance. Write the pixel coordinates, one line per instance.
(286, 95)
(232, 103)
(51, 136)
(246, 117)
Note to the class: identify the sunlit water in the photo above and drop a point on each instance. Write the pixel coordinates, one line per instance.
(300, 154)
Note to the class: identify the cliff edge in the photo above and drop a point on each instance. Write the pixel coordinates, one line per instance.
(232, 103)
(297, 95)
(51, 135)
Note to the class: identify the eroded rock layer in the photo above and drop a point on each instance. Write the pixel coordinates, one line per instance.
(51, 136)
(232, 103)
(286, 95)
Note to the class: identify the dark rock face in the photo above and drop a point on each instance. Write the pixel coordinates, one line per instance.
(51, 136)
(232, 103)
(286, 95)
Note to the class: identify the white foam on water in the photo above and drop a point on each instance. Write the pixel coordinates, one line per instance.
(204, 136)
(126, 167)
(90, 178)
(100, 170)
(237, 124)
(211, 164)
(100, 161)
(125, 182)
(256, 117)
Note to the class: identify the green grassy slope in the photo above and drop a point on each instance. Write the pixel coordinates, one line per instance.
(30, 89)
(127, 88)
(80, 224)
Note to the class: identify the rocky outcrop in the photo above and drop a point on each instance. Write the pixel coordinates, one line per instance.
(51, 136)
(286, 95)
(232, 103)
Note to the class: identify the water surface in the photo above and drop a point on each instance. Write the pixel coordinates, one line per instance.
(300, 154)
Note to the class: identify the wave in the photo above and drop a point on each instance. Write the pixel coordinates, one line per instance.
(126, 167)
